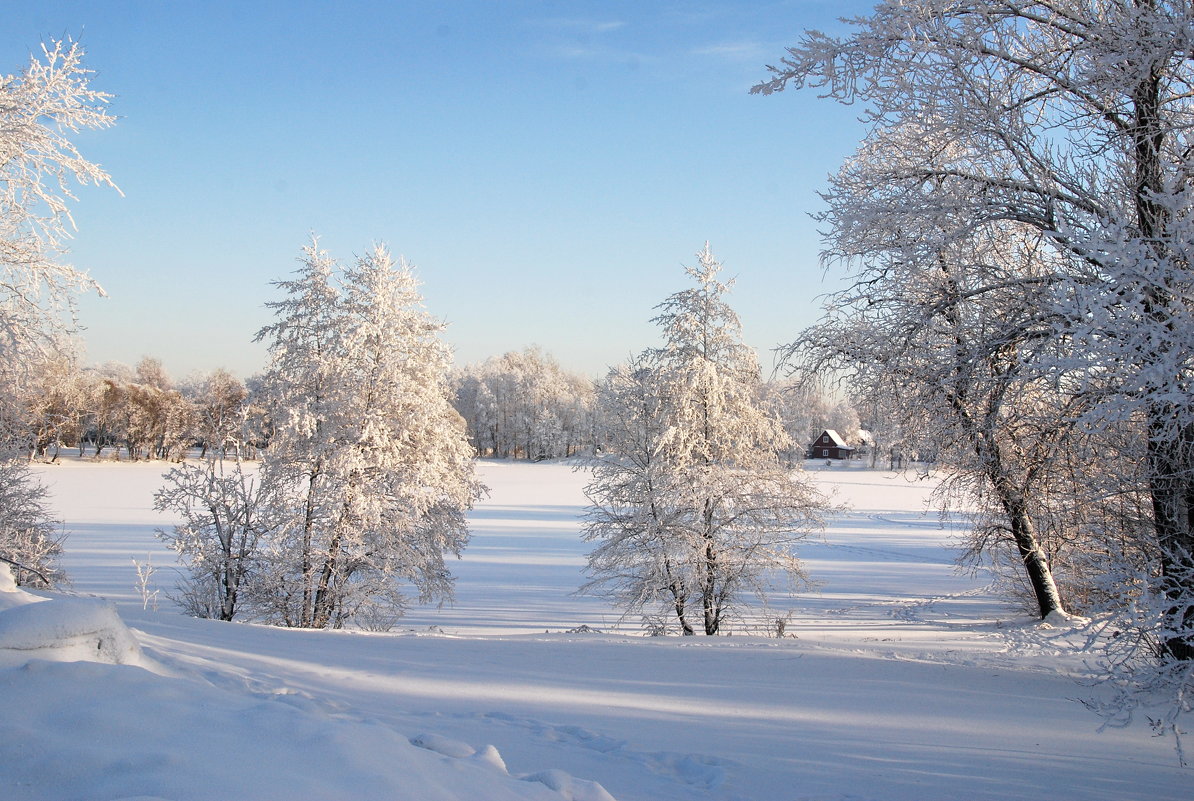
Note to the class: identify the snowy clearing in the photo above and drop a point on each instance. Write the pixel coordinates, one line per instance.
(904, 679)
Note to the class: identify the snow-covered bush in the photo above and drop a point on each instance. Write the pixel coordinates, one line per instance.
(29, 538)
(224, 510)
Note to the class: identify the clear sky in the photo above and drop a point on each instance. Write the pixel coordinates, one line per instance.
(547, 166)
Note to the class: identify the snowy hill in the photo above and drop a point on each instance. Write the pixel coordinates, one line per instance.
(904, 679)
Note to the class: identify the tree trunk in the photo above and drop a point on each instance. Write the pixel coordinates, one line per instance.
(1032, 555)
(709, 594)
(679, 600)
(1036, 563)
(1170, 466)
(307, 612)
(325, 596)
(1170, 442)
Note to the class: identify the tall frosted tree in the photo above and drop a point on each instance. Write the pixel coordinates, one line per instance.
(1070, 121)
(367, 451)
(693, 508)
(40, 109)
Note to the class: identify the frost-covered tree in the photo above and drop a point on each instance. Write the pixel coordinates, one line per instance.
(302, 390)
(367, 455)
(1071, 121)
(52, 399)
(643, 561)
(695, 510)
(218, 400)
(949, 339)
(224, 521)
(141, 411)
(40, 109)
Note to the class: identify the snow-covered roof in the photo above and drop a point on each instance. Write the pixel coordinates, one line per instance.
(835, 437)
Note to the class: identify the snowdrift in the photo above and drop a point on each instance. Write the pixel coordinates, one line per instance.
(62, 630)
(70, 665)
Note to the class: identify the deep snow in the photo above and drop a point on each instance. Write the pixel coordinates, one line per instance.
(904, 680)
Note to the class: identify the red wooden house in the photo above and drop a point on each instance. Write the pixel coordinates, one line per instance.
(830, 445)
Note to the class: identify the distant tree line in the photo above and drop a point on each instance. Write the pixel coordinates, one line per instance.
(523, 405)
(118, 412)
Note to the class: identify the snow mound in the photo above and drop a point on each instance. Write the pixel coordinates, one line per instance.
(489, 757)
(571, 788)
(10, 594)
(568, 786)
(443, 745)
(66, 630)
(61, 629)
(77, 667)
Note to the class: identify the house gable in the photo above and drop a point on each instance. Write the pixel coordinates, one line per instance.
(830, 445)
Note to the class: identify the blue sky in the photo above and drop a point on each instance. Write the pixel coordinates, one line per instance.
(547, 166)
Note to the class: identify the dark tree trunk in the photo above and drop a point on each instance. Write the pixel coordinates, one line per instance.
(1171, 474)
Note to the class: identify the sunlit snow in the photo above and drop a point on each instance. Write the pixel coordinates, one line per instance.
(900, 678)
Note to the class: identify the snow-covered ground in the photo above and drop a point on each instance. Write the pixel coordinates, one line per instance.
(904, 679)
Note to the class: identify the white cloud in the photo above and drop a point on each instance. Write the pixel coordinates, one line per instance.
(578, 26)
(735, 51)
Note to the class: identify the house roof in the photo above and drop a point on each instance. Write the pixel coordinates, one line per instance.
(835, 437)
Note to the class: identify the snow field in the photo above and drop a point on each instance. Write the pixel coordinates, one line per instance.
(905, 680)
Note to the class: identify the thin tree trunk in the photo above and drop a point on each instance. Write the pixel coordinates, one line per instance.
(306, 614)
(679, 600)
(325, 597)
(709, 593)
(1032, 555)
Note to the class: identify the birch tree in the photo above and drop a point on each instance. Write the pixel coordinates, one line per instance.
(642, 561)
(695, 509)
(369, 457)
(1071, 119)
(40, 108)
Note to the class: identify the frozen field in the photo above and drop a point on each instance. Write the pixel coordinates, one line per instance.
(904, 679)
